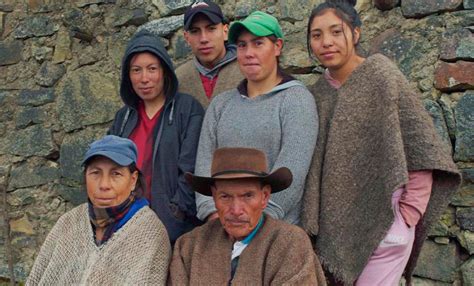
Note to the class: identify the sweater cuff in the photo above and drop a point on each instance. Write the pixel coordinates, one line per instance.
(205, 206)
(274, 210)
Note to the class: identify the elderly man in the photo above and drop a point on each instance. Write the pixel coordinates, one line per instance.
(244, 246)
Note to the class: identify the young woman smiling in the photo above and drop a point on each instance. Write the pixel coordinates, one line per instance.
(379, 168)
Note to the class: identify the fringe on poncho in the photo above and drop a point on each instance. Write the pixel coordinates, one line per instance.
(372, 131)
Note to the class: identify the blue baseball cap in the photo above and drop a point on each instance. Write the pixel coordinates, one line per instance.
(120, 150)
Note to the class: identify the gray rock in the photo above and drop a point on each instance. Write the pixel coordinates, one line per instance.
(436, 112)
(468, 4)
(438, 262)
(21, 197)
(468, 175)
(27, 175)
(74, 195)
(464, 197)
(87, 97)
(181, 48)
(244, 8)
(294, 10)
(446, 105)
(73, 18)
(37, 26)
(417, 9)
(6, 7)
(44, 6)
(35, 97)
(465, 18)
(10, 52)
(2, 22)
(49, 74)
(126, 17)
(385, 5)
(83, 3)
(116, 46)
(465, 218)
(466, 239)
(32, 141)
(457, 44)
(72, 152)
(163, 27)
(167, 7)
(18, 270)
(467, 271)
(42, 53)
(464, 112)
(27, 116)
(405, 51)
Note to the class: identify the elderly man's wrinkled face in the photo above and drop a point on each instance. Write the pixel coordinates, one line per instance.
(240, 204)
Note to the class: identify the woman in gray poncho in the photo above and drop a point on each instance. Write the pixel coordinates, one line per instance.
(380, 174)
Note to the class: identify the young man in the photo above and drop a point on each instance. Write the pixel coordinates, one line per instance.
(244, 246)
(213, 68)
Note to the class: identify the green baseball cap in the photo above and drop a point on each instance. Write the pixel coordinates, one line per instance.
(258, 23)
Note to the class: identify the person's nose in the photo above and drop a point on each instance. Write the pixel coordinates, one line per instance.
(237, 207)
(204, 37)
(145, 76)
(327, 41)
(104, 183)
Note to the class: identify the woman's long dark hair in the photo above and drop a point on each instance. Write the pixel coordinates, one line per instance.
(344, 9)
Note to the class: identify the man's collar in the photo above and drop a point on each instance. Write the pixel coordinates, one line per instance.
(230, 55)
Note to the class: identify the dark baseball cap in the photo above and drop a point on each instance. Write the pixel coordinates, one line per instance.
(206, 7)
(120, 150)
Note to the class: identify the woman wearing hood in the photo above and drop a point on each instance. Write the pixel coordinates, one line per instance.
(165, 126)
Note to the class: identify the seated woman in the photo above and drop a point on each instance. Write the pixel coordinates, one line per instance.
(115, 238)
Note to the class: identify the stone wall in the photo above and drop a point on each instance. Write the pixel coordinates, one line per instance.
(59, 76)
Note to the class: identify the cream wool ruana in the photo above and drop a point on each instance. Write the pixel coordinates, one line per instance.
(137, 254)
(372, 131)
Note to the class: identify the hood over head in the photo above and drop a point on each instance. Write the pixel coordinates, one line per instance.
(145, 41)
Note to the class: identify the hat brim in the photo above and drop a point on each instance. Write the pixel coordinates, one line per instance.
(279, 180)
(254, 28)
(214, 18)
(118, 158)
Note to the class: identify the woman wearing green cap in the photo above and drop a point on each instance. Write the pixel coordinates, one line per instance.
(269, 110)
(115, 238)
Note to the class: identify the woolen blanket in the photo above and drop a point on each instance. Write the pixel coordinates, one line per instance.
(372, 131)
(279, 254)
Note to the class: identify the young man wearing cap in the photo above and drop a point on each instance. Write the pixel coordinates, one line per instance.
(243, 246)
(213, 68)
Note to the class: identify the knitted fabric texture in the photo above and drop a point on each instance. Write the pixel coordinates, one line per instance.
(137, 254)
(279, 123)
(190, 81)
(373, 130)
(279, 254)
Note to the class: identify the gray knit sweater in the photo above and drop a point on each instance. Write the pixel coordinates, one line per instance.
(281, 123)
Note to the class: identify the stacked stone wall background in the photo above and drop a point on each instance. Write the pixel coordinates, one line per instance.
(59, 82)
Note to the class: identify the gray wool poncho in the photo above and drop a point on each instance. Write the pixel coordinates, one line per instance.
(373, 130)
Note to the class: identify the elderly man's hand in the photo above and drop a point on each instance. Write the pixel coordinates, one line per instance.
(212, 216)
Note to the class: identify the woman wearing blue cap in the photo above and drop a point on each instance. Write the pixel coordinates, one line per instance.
(115, 238)
(269, 110)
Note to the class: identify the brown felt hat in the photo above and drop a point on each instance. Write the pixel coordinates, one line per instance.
(240, 163)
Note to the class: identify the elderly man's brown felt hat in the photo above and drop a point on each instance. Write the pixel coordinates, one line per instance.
(240, 163)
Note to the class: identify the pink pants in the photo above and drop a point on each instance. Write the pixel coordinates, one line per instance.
(386, 265)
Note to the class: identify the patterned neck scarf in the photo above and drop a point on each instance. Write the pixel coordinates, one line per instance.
(108, 218)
